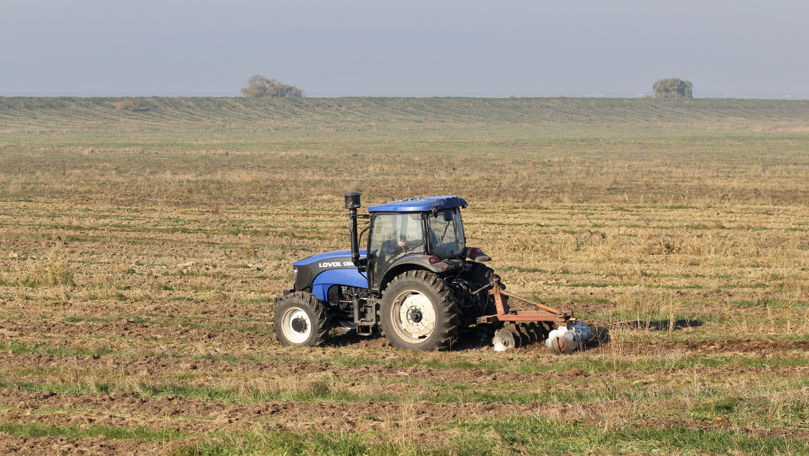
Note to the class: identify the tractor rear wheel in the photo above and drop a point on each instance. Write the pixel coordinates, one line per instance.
(301, 319)
(419, 312)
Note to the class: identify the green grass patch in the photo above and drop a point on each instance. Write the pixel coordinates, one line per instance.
(587, 363)
(140, 433)
(73, 388)
(309, 392)
(21, 348)
(257, 442)
(544, 436)
(512, 436)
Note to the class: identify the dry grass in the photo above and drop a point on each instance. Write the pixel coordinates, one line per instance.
(53, 271)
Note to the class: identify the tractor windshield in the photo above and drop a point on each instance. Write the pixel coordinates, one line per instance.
(446, 233)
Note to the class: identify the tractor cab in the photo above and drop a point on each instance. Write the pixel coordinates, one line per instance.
(424, 231)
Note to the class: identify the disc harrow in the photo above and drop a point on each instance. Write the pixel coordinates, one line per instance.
(561, 331)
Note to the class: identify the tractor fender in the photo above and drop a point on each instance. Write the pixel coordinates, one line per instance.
(326, 279)
(414, 262)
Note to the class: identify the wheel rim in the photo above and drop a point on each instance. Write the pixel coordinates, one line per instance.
(413, 315)
(296, 325)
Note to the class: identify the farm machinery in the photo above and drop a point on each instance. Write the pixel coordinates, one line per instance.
(417, 282)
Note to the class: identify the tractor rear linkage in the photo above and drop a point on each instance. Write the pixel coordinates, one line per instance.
(506, 315)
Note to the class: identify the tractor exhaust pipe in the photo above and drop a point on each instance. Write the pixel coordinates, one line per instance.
(352, 204)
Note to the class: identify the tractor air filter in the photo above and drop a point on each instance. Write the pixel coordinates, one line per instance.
(352, 200)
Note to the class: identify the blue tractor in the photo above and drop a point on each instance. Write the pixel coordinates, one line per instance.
(417, 281)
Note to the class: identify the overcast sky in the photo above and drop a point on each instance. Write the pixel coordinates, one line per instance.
(744, 48)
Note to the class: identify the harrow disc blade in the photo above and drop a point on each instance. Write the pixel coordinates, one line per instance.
(565, 340)
(504, 339)
(527, 334)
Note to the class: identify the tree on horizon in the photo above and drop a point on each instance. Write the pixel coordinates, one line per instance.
(259, 87)
(673, 88)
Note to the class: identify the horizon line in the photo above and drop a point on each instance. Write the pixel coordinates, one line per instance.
(591, 97)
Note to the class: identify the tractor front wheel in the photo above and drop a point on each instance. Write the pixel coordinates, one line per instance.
(301, 319)
(419, 312)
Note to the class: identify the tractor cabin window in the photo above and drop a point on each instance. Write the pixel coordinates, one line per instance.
(446, 233)
(394, 236)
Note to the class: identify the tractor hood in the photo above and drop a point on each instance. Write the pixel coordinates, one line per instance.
(319, 272)
(330, 257)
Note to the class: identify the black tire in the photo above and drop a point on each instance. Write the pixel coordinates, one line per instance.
(301, 320)
(480, 275)
(430, 314)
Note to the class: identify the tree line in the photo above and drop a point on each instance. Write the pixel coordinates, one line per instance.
(260, 87)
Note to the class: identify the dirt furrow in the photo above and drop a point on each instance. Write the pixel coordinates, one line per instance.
(730, 347)
(141, 331)
(90, 446)
(183, 414)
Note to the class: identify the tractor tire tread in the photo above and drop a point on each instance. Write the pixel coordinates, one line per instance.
(319, 316)
(449, 306)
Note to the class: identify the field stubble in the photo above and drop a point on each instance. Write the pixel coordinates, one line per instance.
(139, 260)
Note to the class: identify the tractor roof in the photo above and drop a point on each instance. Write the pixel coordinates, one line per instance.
(420, 204)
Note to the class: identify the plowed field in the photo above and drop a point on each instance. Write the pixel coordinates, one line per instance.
(140, 254)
